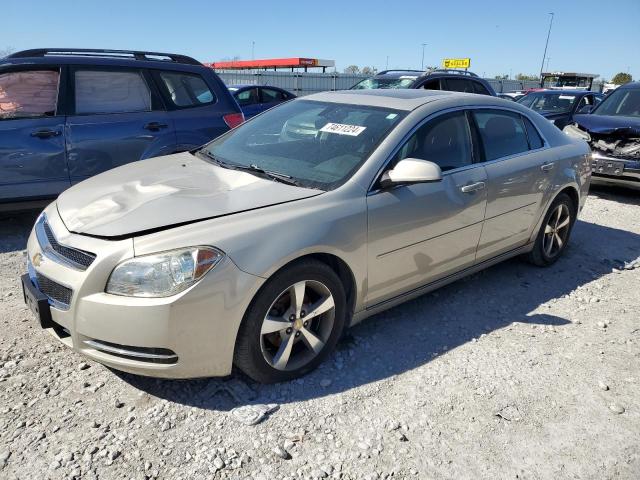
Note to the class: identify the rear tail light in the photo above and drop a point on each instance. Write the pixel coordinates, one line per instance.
(233, 119)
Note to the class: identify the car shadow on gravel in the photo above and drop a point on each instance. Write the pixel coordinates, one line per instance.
(412, 334)
(15, 228)
(626, 195)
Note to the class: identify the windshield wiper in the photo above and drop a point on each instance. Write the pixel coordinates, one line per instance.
(276, 176)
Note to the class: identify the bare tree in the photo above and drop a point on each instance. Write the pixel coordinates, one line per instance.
(352, 69)
(369, 70)
(6, 51)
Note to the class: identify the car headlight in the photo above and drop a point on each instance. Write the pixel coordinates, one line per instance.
(573, 131)
(162, 274)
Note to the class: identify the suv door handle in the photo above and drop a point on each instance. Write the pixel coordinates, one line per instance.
(547, 167)
(46, 133)
(155, 126)
(474, 187)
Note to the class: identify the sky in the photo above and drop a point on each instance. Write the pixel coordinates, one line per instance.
(500, 37)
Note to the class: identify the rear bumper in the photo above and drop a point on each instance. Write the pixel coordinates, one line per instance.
(188, 335)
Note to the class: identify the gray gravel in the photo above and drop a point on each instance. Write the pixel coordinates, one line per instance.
(516, 372)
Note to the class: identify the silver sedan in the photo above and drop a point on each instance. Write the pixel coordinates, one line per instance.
(262, 247)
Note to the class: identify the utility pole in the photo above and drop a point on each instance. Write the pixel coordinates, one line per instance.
(423, 45)
(544, 55)
(253, 46)
(386, 65)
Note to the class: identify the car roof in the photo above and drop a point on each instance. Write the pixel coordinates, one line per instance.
(631, 85)
(62, 59)
(563, 92)
(397, 99)
(399, 73)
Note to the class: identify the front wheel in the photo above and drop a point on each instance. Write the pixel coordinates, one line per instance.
(554, 233)
(293, 323)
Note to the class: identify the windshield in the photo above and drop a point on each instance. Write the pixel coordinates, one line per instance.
(548, 102)
(315, 144)
(621, 103)
(567, 81)
(369, 83)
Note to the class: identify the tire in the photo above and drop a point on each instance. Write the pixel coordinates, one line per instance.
(272, 346)
(542, 255)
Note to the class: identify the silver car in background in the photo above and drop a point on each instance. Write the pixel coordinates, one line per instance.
(261, 248)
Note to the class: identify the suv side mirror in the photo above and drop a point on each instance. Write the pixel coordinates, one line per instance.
(411, 170)
(585, 109)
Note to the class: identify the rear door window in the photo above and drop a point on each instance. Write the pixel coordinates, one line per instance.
(247, 97)
(269, 95)
(28, 94)
(502, 133)
(479, 88)
(459, 85)
(186, 89)
(111, 91)
(432, 85)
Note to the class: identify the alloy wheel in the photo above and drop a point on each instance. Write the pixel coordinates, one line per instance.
(297, 325)
(556, 230)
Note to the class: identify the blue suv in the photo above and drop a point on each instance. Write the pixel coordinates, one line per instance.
(68, 114)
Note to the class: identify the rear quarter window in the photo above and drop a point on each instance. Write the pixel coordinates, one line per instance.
(186, 90)
(535, 140)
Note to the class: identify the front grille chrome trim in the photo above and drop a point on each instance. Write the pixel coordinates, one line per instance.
(123, 351)
(74, 258)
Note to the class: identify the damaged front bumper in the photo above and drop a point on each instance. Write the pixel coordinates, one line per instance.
(615, 157)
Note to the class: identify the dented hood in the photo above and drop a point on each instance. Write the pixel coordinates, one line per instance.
(158, 193)
(609, 125)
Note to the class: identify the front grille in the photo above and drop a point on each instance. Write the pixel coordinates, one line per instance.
(78, 257)
(60, 294)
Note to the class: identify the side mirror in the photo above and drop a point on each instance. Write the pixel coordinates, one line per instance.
(411, 170)
(585, 109)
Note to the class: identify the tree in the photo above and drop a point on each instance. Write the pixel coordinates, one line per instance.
(524, 76)
(621, 78)
(352, 69)
(369, 70)
(5, 51)
(501, 77)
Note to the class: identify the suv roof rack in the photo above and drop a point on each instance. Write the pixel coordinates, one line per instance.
(454, 71)
(98, 52)
(399, 70)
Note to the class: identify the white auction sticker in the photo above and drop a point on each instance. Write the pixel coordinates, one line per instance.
(341, 129)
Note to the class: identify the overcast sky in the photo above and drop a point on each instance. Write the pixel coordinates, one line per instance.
(501, 37)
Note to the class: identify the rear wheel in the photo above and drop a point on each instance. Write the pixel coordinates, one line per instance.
(554, 233)
(293, 323)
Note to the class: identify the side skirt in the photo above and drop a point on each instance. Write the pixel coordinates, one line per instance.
(429, 287)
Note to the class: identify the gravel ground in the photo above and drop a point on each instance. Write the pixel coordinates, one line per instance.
(513, 373)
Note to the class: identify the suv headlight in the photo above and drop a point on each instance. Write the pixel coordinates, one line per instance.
(162, 274)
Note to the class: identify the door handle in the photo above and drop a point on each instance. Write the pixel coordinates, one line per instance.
(46, 133)
(155, 126)
(474, 187)
(547, 167)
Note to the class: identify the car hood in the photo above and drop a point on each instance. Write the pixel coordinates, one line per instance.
(606, 125)
(163, 192)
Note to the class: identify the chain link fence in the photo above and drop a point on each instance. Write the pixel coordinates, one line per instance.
(305, 83)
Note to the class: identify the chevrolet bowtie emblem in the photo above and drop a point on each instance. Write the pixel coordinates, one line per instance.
(37, 259)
